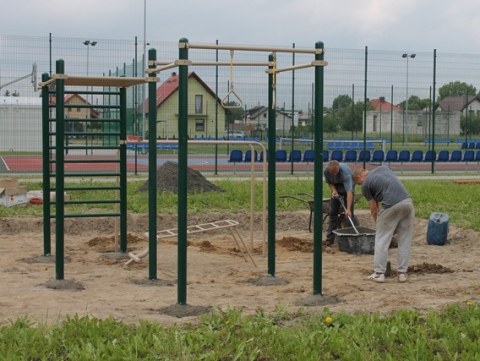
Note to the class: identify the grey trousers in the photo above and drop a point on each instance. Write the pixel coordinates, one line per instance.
(398, 219)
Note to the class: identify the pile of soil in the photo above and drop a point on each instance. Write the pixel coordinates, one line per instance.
(167, 180)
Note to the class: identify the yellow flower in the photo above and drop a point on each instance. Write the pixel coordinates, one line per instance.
(328, 320)
(469, 303)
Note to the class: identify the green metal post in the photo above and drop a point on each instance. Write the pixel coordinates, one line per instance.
(152, 173)
(284, 109)
(353, 109)
(365, 110)
(318, 173)
(391, 119)
(123, 170)
(60, 173)
(216, 111)
(433, 106)
(271, 170)
(182, 174)
(293, 98)
(47, 236)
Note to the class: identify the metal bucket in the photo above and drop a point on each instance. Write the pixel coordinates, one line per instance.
(351, 242)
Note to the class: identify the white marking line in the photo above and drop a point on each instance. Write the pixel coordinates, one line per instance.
(6, 166)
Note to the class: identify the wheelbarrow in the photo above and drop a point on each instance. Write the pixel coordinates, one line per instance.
(325, 208)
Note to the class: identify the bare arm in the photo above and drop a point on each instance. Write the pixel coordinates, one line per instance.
(373, 209)
(349, 203)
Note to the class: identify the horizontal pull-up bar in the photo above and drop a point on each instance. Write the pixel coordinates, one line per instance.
(182, 45)
(300, 66)
(169, 65)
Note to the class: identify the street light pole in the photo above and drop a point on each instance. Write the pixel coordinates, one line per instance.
(405, 134)
(88, 44)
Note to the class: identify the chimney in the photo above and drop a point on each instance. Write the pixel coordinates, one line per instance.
(382, 99)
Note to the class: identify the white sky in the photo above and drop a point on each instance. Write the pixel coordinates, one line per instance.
(398, 25)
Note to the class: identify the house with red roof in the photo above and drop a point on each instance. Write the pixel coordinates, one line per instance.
(201, 108)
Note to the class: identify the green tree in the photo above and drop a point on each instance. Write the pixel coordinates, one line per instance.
(456, 89)
(341, 102)
(415, 103)
(235, 111)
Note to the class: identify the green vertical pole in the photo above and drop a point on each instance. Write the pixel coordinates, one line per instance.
(182, 173)
(60, 173)
(353, 109)
(123, 170)
(433, 106)
(152, 172)
(47, 236)
(293, 98)
(318, 173)
(271, 169)
(391, 119)
(284, 109)
(216, 111)
(365, 110)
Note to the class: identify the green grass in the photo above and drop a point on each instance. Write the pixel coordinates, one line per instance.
(452, 333)
(457, 200)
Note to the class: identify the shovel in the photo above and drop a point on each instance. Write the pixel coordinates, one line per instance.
(340, 199)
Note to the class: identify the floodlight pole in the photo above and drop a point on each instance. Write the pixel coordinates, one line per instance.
(405, 133)
(88, 44)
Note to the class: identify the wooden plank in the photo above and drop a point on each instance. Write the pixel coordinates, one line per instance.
(467, 181)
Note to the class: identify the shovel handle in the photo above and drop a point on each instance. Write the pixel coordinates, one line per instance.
(340, 199)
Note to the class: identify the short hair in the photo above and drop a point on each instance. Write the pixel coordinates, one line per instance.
(333, 164)
(356, 173)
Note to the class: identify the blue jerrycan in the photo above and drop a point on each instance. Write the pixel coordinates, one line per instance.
(437, 231)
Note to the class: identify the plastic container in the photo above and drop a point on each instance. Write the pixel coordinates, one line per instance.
(357, 243)
(437, 231)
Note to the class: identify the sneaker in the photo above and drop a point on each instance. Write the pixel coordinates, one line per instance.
(402, 277)
(377, 277)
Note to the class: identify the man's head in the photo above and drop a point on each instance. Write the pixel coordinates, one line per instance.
(359, 175)
(333, 167)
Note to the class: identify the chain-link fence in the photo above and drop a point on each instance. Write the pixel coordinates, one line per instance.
(368, 94)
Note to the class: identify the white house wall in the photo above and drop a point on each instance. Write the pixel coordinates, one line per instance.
(20, 124)
(416, 123)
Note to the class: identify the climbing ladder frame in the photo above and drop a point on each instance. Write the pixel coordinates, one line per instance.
(55, 146)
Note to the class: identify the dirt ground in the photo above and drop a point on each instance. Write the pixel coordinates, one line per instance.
(97, 284)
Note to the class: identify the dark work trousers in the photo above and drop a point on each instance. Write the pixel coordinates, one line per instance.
(335, 209)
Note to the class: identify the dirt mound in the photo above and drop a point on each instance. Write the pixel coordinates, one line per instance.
(167, 180)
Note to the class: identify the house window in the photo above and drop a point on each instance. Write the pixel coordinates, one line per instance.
(199, 125)
(78, 110)
(198, 104)
(374, 124)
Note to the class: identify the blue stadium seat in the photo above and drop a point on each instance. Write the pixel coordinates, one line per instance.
(364, 155)
(392, 156)
(350, 156)
(236, 155)
(281, 155)
(457, 155)
(325, 156)
(404, 156)
(429, 156)
(378, 156)
(477, 156)
(417, 156)
(248, 156)
(309, 156)
(443, 156)
(468, 156)
(295, 156)
(337, 155)
(260, 159)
